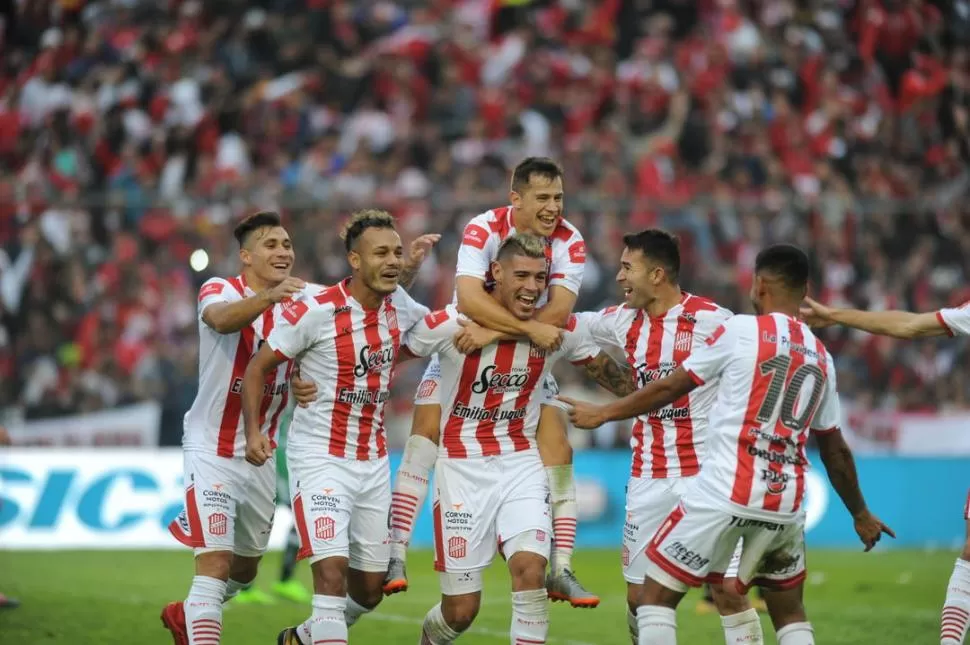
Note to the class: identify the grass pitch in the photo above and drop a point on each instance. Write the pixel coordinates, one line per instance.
(114, 598)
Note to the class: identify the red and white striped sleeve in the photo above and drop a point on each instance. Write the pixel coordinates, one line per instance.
(578, 345)
(432, 334)
(299, 325)
(568, 263)
(479, 247)
(217, 290)
(707, 361)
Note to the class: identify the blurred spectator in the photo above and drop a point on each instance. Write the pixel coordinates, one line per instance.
(133, 133)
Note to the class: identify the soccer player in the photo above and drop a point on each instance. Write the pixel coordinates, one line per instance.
(491, 490)
(776, 383)
(536, 207)
(904, 324)
(348, 339)
(658, 327)
(229, 504)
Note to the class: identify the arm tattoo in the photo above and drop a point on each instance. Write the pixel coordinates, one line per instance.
(408, 275)
(616, 378)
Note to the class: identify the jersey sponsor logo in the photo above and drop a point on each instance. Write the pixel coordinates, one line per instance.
(499, 382)
(646, 374)
(458, 519)
(773, 457)
(717, 334)
(363, 397)
(776, 482)
(577, 252)
(293, 310)
(325, 502)
(270, 388)
(475, 236)
(670, 413)
(210, 289)
(323, 528)
(690, 559)
(476, 413)
(218, 524)
(744, 522)
(457, 547)
(373, 361)
(427, 388)
(435, 318)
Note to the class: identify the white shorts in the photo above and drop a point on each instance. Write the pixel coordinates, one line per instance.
(483, 502)
(429, 391)
(696, 543)
(229, 504)
(342, 508)
(648, 503)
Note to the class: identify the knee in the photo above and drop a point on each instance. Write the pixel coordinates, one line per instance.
(460, 611)
(330, 577)
(214, 564)
(244, 569)
(633, 595)
(727, 598)
(370, 595)
(528, 571)
(427, 421)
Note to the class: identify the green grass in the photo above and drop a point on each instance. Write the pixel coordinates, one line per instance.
(101, 598)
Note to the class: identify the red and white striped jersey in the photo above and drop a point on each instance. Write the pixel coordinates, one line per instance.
(776, 384)
(488, 403)
(565, 251)
(214, 422)
(668, 442)
(956, 320)
(349, 352)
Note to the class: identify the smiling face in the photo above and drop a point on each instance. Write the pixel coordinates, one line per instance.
(639, 278)
(539, 204)
(268, 253)
(519, 280)
(377, 258)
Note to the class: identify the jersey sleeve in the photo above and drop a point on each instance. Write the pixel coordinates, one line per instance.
(568, 264)
(956, 320)
(431, 334)
(708, 361)
(297, 327)
(828, 417)
(214, 291)
(579, 347)
(478, 248)
(409, 311)
(601, 325)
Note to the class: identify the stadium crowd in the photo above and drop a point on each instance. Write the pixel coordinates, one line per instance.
(134, 133)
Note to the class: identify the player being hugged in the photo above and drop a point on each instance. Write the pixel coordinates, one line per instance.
(776, 384)
(347, 338)
(229, 504)
(536, 207)
(951, 321)
(491, 489)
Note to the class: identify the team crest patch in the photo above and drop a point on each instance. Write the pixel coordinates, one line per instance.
(391, 318)
(323, 528)
(426, 388)
(683, 341)
(457, 547)
(536, 352)
(218, 524)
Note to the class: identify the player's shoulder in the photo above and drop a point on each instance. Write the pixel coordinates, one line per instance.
(494, 222)
(222, 286)
(705, 308)
(566, 233)
(446, 318)
(316, 301)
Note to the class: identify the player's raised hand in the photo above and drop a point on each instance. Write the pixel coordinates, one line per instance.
(258, 449)
(548, 337)
(304, 390)
(286, 289)
(870, 528)
(420, 247)
(815, 314)
(582, 414)
(472, 336)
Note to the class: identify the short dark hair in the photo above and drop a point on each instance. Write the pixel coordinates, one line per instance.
(541, 166)
(787, 263)
(253, 223)
(363, 220)
(521, 244)
(658, 245)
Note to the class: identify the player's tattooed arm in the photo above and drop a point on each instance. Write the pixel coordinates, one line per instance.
(615, 377)
(652, 397)
(417, 253)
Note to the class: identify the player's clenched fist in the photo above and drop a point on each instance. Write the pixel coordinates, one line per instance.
(285, 289)
(304, 390)
(548, 337)
(473, 337)
(870, 528)
(258, 449)
(584, 415)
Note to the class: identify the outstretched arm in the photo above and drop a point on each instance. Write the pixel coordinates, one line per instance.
(898, 324)
(265, 361)
(613, 376)
(652, 397)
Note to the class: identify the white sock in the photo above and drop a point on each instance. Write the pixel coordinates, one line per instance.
(410, 491)
(203, 610)
(562, 497)
(796, 634)
(743, 628)
(328, 623)
(435, 631)
(657, 625)
(354, 611)
(233, 588)
(631, 622)
(530, 617)
(956, 607)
